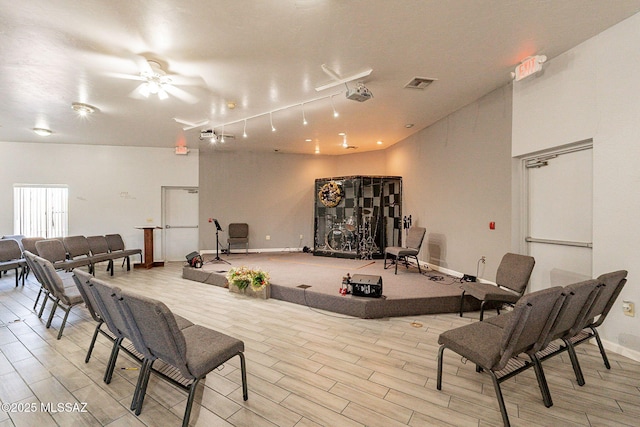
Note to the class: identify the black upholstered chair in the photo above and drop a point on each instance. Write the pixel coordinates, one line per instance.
(512, 278)
(415, 236)
(493, 348)
(117, 249)
(238, 234)
(194, 351)
(11, 259)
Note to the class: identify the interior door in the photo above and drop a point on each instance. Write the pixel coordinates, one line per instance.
(560, 216)
(180, 222)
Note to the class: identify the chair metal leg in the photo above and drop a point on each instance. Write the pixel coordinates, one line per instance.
(143, 388)
(112, 360)
(605, 359)
(482, 310)
(44, 302)
(503, 408)
(577, 370)
(187, 411)
(53, 311)
(93, 342)
(64, 322)
(542, 381)
(439, 380)
(38, 297)
(418, 263)
(243, 369)
(461, 302)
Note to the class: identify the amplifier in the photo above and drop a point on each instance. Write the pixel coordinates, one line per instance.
(364, 285)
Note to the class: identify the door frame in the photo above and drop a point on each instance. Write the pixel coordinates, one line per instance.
(524, 231)
(163, 209)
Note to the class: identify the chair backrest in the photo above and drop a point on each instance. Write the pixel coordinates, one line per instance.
(238, 230)
(158, 329)
(578, 298)
(17, 237)
(103, 296)
(98, 245)
(31, 263)
(29, 244)
(51, 249)
(82, 278)
(9, 250)
(533, 318)
(115, 242)
(514, 272)
(415, 236)
(76, 246)
(51, 277)
(611, 286)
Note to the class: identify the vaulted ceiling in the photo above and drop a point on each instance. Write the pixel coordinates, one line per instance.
(244, 66)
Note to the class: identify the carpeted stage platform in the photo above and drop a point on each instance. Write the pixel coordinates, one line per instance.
(405, 294)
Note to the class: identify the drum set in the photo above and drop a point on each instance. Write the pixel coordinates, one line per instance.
(347, 236)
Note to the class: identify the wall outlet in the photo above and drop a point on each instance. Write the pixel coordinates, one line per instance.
(301, 237)
(628, 308)
(268, 237)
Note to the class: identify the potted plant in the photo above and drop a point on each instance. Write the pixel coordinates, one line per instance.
(249, 281)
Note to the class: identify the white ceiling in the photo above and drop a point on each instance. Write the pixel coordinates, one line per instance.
(265, 55)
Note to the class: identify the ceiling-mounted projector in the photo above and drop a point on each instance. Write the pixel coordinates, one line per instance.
(207, 134)
(360, 93)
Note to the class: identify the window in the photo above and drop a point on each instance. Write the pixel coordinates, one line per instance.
(41, 210)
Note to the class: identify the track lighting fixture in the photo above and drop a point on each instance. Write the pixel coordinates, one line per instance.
(270, 113)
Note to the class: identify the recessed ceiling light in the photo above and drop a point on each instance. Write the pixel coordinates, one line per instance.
(83, 109)
(379, 143)
(409, 125)
(308, 140)
(42, 131)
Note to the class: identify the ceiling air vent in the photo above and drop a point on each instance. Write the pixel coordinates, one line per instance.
(419, 83)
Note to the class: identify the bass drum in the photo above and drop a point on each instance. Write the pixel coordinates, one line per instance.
(340, 239)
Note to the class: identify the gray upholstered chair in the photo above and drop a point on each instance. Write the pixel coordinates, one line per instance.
(29, 244)
(415, 236)
(65, 297)
(11, 259)
(512, 278)
(100, 295)
(116, 247)
(578, 299)
(194, 351)
(78, 248)
(238, 234)
(493, 348)
(53, 250)
(610, 288)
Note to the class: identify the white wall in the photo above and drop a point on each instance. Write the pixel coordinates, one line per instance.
(593, 91)
(456, 179)
(111, 189)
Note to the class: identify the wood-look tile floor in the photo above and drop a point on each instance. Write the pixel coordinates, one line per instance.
(305, 368)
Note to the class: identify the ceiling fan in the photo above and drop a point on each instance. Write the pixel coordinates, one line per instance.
(156, 81)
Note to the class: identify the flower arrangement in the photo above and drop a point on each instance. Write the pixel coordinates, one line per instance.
(245, 276)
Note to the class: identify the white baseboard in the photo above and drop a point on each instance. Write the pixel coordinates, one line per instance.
(253, 251)
(623, 351)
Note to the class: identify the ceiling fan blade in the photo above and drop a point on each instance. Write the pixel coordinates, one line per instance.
(124, 76)
(138, 92)
(189, 125)
(181, 94)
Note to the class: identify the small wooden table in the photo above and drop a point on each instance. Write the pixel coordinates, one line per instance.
(148, 248)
